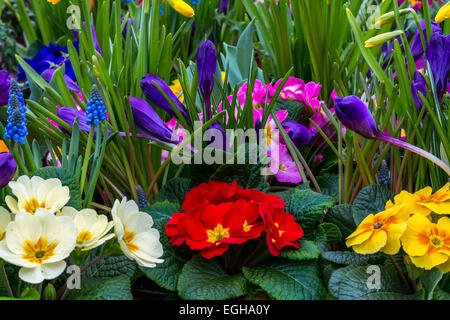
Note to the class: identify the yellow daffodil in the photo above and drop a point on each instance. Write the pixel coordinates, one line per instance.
(182, 8)
(380, 232)
(39, 244)
(177, 89)
(54, 1)
(443, 13)
(424, 201)
(37, 193)
(92, 228)
(427, 243)
(5, 219)
(134, 232)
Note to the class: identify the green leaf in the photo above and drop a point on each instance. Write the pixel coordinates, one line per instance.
(165, 274)
(297, 111)
(350, 283)
(370, 200)
(440, 294)
(112, 266)
(328, 233)
(307, 251)
(342, 216)
(288, 280)
(308, 208)
(115, 288)
(348, 257)
(329, 184)
(67, 179)
(29, 293)
(430, 280)
(175, 190)
(203, 279)
(287, 194)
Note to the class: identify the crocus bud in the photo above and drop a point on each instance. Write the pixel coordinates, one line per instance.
(4, 87)
(416, 46)
(299, 134)
(148, 121)
(355, 115)
(419, 84)
(47, 75)
(68, 115)
(438, 55)
(152, 92)
(206, 66)
(8, 168)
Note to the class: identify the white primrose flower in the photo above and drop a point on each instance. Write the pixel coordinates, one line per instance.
(92, 228)
(134, 232)
(5, 219)
(37, 193)
(39, 244)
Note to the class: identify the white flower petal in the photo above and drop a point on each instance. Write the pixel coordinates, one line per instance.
(31, 275)
(53, 270)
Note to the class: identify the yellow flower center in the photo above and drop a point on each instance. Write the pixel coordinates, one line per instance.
(84, 236)
(282, 167)
(39, 251)
(269, 134)
(32, 205)
(246, 227)
(217, 233)
(436, 241)
(2, 235)
(128, 237)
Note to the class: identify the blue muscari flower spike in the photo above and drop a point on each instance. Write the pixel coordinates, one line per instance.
(194, 2)
(95, 108)
(384, 177)
(142, 198)
(16, 129)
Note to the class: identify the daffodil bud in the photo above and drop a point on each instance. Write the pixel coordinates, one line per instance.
(443, 13)
(182, 8)
(382, 38)
(390, 17)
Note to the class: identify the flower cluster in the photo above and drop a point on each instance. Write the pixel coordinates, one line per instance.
(95, 108)
(16, 129)
(409, 223)
(40, 231)
(218, 214)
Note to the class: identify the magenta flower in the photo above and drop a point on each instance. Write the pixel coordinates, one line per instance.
(292, 89)
(282, 165)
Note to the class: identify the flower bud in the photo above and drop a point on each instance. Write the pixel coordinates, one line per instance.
(8, 168)
(49, 292)
(382, 38)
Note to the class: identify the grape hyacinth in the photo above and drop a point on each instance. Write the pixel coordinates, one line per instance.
(16, 128)
(95, 109)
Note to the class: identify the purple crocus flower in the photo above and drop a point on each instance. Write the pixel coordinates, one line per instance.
(438, 55)
(8, 168)
(299, 134)
(206, 66)
(223, 6)
(152, 92)
(355, 115)
(94, 38)
(125, 28)
(416, 46)
(68, 115)
(4, 87)
(148, 121)
(418, 84)
(71, 85)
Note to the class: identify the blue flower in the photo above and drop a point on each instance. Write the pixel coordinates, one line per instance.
(54, 54)
(195, 2)
(95, 108)
(16, 128)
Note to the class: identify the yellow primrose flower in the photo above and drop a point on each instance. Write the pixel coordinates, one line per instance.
(177, 89)
(182, 8)
(443, 13)
(425, 201)
(39, 244)
(92, 228)
(427, 243)
(134, 232)
(54, 1)
(37, 193)
(380, 232)
(5, 219)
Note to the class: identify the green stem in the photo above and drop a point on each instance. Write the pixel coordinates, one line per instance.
(6, 281)
(86, 158)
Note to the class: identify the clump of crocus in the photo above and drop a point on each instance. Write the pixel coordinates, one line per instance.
(438, 55)
(355, 115)
(206, 66)
(4, 87)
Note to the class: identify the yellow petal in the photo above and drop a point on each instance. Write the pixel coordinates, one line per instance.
(439, 207)
(3, 147)
(360, 238)
(373, 244)
(445, 267)
(394, 232)
(443, 13)
(414, 240)
(182, 8)
(430, 260)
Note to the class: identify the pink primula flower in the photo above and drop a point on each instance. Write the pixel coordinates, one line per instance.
(283, 166)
